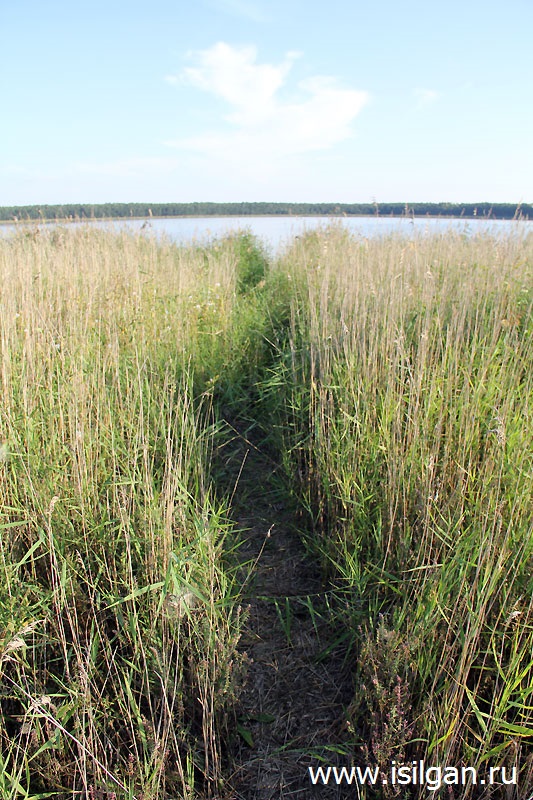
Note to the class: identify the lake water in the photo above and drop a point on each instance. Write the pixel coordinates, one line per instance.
(274, 232)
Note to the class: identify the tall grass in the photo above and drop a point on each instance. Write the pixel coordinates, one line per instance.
(394, 377)
(407, 416)
(117, 623)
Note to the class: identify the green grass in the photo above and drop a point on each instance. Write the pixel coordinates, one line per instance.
(393, 379)
(106, 512)
(408, 421)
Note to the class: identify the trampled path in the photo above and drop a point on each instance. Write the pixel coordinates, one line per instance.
(291, 713)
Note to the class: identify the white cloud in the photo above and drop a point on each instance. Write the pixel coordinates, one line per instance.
(232, 74)
(261, 127)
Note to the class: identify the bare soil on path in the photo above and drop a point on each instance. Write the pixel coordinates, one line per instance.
(291, 712)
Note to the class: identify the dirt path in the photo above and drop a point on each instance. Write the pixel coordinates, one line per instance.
(298, 681)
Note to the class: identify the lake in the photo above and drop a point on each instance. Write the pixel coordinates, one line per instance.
(274, 232)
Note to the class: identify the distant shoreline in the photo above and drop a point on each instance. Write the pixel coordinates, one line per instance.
(112, 212)
(88, 220)
(79, 221)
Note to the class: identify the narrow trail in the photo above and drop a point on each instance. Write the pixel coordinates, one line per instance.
(298, 682)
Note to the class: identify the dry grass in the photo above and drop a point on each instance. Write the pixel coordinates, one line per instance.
(394, 376)
(411, 406)
(106, 512)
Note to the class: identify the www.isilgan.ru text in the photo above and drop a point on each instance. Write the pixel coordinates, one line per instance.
(414, 773)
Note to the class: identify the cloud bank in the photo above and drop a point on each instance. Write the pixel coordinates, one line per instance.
(264, 123)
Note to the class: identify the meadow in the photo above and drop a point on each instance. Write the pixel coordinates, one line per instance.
(392, 380)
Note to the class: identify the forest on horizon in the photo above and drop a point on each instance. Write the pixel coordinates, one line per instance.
(88, 211)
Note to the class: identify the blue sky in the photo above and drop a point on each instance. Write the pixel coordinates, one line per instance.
(230, 100)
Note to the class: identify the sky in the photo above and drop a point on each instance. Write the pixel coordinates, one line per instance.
(264, 100)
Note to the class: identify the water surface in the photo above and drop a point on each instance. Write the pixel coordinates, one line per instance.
(276, 231)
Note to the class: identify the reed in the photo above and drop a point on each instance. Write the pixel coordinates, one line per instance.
(407, 420)
(112, 682)
(393, 380)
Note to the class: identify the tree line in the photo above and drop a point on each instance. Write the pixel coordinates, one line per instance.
(80, 211)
